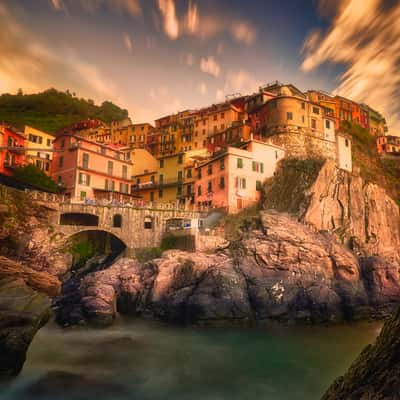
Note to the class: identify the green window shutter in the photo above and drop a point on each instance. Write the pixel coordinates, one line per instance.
(244, 183)
(80, 178)
(262, 167)
(258, 185)
(254, 165)
(239, 163)
(88, 180)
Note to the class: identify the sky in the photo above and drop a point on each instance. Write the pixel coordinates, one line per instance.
(155, 57)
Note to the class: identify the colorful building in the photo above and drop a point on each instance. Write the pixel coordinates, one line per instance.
(89, 170)
(133, 135)
(12, 154)
(40, 148)
(234, 179)
(388, 145)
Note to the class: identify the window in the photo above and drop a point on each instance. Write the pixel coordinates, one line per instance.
(160, 194)
(48, 142)
(315, 110)
(302, 119)
(222, 127)
(222, 115)
(289, 116)
(152, 179)
(241, 183)
(148, 223)
(151, 196)
(84, 179)
(328, 124)
(124, 172)
(179, 191)
(103, 150)
(117, 221)
(240, 163)
(199, 190)
(61, 161)
(222, 182)
(313, 124)
(180, 158)
(209, 187)
(180, 176)
(161, 179)
(161, 163)
(110, 167)
(258, 167)
(258, 186)
(189, 173)
(83, 195)
(303, 106)
(215, 117)
(222, 164)
(199, 173)
(346, 142)
(209, 169)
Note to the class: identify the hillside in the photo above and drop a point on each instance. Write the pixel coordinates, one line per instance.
(52, 110)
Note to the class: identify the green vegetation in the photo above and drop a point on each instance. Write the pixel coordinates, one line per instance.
(52, 110)
(384, 172)
(32, 175)
(244, 221)
(286, 191)
(147, 254)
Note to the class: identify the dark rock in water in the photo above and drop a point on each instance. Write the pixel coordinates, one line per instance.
(23, 312)
(375, 375)
(66, 385)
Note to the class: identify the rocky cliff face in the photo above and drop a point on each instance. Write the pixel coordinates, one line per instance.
(24, 309)
(285, 271)
(375, 375)
(361, 214)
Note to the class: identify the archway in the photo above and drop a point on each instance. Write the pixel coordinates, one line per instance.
(79, 219)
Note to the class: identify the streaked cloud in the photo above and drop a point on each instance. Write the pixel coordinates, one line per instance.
(203, 89)
(128, 42)
(365, 37)
(131, 7)
(240, 81)
(170, 21)
(31, 65)
(210, 66)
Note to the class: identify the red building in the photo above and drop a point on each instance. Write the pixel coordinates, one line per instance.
(12, 154)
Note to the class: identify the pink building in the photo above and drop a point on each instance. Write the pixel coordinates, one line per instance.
(89, 170)
(233, 179)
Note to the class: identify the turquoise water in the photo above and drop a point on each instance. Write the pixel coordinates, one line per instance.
(152, 361)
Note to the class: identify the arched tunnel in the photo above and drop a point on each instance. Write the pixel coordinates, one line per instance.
(87, 244)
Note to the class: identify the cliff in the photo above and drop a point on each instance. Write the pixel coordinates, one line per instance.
(283, 270)
(375, 375)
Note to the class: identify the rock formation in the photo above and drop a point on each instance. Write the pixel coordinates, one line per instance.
(375, 375)
(284, 270)
(24, 309)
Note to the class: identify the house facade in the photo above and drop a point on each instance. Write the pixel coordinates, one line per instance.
(40, 148)
(233, 180)
(89, 170)
(13, 155)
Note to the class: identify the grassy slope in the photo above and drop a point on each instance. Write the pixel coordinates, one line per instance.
(52, 110)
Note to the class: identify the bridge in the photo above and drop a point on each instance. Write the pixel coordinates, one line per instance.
(136, 227)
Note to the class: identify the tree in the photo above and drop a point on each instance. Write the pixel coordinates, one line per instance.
(34, 176)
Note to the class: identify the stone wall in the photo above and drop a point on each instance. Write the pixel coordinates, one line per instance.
(303, 143)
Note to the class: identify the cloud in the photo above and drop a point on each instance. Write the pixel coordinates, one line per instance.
(240, 81)
(131, 7)
(170, 21)
(210, 66)
(203, 26)
(364, 36)
(189, 60)
(244, 32)
(128, 42)
(203, 89)
(220, 96)
(31, 65)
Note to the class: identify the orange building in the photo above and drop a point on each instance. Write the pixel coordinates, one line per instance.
(388, 145)
(89, 170)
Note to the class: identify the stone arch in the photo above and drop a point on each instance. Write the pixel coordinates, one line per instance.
(117, 221)
(79, 219)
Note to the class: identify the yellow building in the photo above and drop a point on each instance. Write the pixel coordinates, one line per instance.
(134, 135)
(41, 145)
